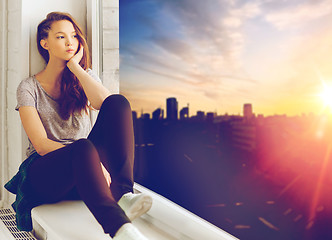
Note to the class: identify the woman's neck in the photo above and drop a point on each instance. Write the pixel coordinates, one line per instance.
(50, 77)
(52, 73)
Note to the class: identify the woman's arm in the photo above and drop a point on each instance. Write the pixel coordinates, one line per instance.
(36, 131)
(95, 91)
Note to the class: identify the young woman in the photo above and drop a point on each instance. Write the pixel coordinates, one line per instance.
(67, 158)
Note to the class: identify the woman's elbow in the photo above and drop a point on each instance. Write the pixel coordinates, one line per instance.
(41, 151)
(97, 103)
(40, 147)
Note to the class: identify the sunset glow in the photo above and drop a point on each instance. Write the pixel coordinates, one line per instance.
(218, 55)
(326, 95)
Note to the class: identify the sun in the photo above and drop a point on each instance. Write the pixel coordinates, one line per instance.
(326, 95)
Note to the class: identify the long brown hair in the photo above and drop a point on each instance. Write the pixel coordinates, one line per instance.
(72, 98)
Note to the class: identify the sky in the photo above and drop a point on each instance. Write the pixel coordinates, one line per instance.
(216, 55)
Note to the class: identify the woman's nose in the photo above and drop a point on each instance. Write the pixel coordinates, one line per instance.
(69, 43)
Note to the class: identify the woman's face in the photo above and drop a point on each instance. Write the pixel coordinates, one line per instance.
(62, 41)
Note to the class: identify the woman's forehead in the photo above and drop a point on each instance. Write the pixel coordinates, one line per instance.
(62, 26)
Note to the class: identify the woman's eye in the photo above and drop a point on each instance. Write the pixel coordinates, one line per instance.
(59, 37)
(75, 36)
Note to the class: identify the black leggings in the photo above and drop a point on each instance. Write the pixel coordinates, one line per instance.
(76, 170)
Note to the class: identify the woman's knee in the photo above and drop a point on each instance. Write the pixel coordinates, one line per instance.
(83, 147)
(116, 101)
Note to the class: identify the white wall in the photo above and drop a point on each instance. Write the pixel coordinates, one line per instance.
(3, 67)
(15, 68)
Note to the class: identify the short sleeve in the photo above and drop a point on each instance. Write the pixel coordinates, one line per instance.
(25, 95)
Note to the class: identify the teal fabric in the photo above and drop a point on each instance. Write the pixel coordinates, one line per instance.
(25, 198)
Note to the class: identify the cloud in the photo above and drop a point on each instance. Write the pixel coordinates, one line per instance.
(171, 76)
(212, 94)
(177, 47)
(232, 22)
(300, 14)
(195, 79)
(147, 59)
(212, 48)
(203, 28)
(200, 43)
(247, 10)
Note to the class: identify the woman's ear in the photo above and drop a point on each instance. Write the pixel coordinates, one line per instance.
(44, 44)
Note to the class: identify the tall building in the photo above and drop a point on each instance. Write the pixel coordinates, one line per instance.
(247, 111)
(158, 114)
(145, 116)
(134, 113)
(172, 109)
(184, 113)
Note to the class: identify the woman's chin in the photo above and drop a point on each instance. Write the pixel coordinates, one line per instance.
(68, 58)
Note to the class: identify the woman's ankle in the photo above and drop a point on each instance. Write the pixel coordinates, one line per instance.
(129, 232)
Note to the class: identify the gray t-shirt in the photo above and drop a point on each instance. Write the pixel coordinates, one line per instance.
(31, 93)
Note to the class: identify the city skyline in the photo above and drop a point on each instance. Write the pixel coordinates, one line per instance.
(245, 107)
(217, 55)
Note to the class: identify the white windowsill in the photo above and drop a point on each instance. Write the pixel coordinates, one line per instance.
(165, 221)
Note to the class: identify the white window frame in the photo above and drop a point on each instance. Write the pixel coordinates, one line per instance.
(94, 38)
(94, 33)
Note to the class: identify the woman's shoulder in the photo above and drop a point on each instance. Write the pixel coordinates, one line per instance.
(27, 82)
(27, 85)
(26, 93)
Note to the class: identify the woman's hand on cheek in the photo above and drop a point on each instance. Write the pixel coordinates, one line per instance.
(76, 58)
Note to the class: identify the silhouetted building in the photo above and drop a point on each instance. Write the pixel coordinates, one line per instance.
(200, 116)
(184, 113)
(244, 136)
(247, 111)
(158, 114)
(134, 114)
(146, 116)
(172, 109)
(210, 117)
(222, 118)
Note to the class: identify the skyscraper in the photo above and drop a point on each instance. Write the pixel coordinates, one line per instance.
(247, 111)
(134, 113)
(172, 109)
(184, 113)
(158, 114)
